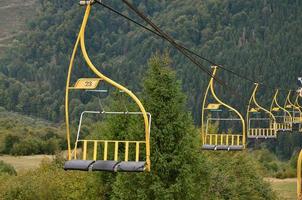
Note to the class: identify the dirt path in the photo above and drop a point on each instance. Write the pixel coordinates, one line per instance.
(276, 180)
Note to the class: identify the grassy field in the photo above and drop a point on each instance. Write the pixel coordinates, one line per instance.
(23, 163)
(285, 188)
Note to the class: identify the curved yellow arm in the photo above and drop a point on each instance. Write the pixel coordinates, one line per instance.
(297, 102)
(81, 40)
(212, 90)
(254, 101)
(289, 102)
(275, 102)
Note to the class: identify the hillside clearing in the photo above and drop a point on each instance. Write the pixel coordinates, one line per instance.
(285, 188)
(21, 163)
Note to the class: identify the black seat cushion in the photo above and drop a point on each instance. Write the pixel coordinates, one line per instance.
(131, 166)
(208, 147)
(105, 165)
(82, 165)
(236, 148)
(222, 147)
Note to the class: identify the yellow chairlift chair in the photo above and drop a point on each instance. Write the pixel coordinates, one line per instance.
(261, 123)
(228, 141)
(107, 155)
(283, 117)
(295, 112)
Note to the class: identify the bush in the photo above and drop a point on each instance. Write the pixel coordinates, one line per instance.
(29, 146)
(7, 168)
(50, 182)
(9, 141)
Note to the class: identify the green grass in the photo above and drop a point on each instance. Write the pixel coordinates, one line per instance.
(285, 188)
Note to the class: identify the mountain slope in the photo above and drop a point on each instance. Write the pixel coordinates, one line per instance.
(14, 14)
(258, 39)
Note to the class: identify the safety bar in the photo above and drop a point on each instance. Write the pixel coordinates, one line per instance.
(224, 139)
(105, 146)
(111, 113)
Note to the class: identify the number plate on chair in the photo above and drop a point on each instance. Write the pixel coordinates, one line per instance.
(87, 83)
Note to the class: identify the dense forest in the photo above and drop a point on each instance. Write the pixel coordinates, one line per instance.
(257, 39)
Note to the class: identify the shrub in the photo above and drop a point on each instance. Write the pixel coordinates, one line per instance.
(7, 168)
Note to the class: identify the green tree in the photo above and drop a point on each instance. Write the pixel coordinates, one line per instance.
(177, 167)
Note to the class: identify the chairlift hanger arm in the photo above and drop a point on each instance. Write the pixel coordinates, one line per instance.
(253, 100)
(80, 41)
(275, 102)
(297, 102)
(210, 89)
(289, 102)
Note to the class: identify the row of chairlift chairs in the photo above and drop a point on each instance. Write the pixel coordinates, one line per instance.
(260, 123)
(134, 155)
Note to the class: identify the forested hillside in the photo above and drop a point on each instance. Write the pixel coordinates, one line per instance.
(14, 16)
(258, 39)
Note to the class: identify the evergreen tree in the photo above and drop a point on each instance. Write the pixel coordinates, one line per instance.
(177, 169)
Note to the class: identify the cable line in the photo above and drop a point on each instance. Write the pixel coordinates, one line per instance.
(180, 47)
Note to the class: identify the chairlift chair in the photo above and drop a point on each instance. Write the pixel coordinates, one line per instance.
(283, 117)
(110, 160)
(220, 141)
(295, 111)
(259, 131)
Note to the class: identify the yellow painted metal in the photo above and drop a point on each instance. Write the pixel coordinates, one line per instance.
(254, 110)
(297, 102)
(95, 150)
(116, 143)
(299, 178)
(85, 150)
(105, 150)
(116, 151)
(127, 151)
(86, 84)
(294, 108)
(275, 107)
(137, 152)
(213, 106)
(254, 105)
(81, 40)
(208, 138)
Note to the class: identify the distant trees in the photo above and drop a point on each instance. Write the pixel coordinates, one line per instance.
(26, 136)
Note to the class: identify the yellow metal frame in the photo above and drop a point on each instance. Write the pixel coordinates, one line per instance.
(297, 102)
(299, 178)
(275, 107)
(81, 41)
(222, 139)
(290, 106)
(271, 131)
